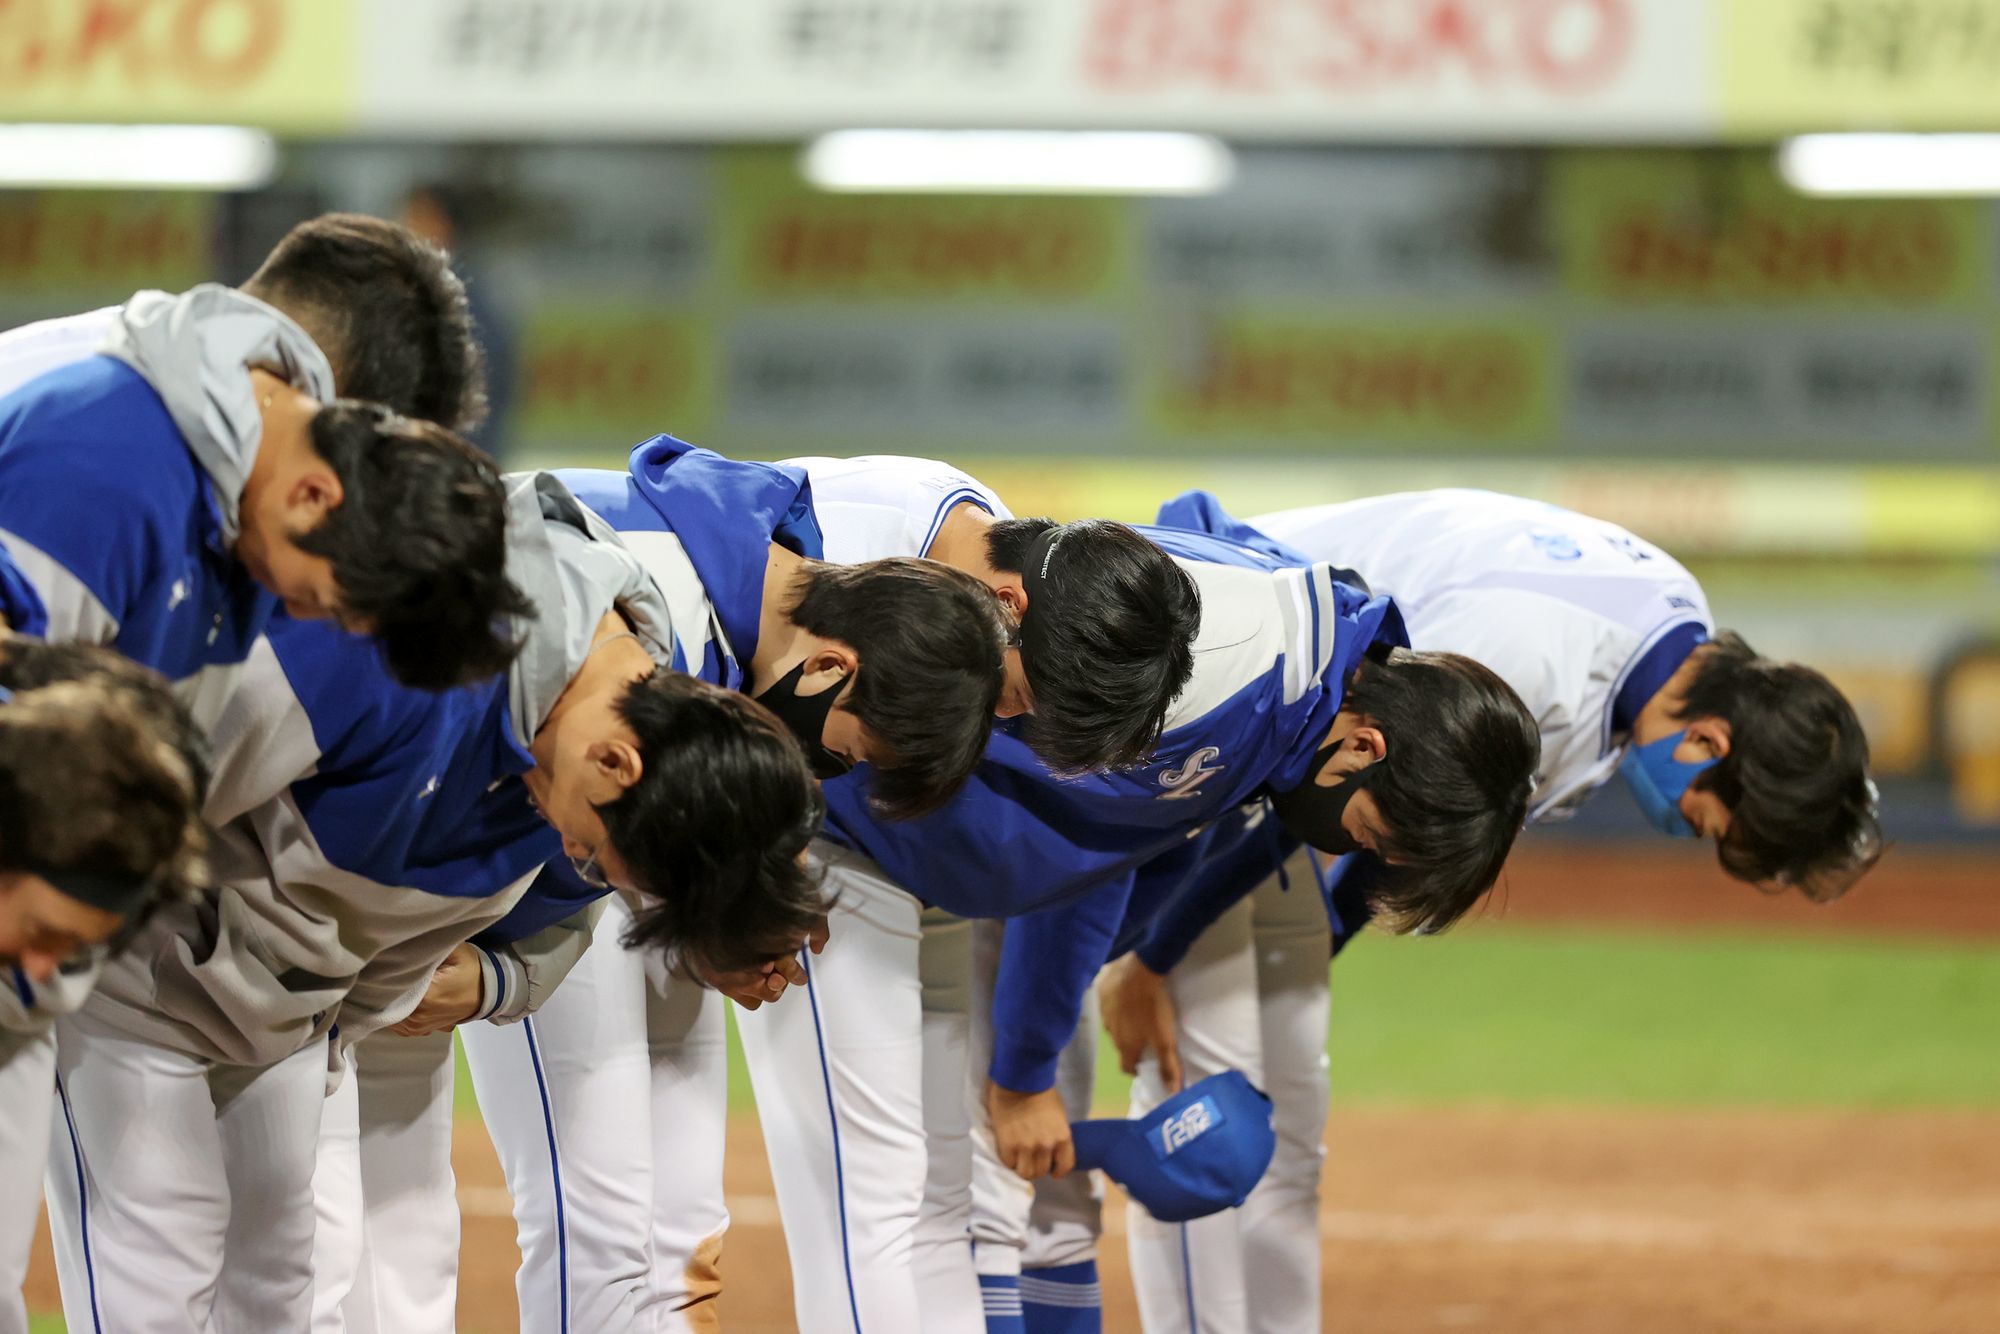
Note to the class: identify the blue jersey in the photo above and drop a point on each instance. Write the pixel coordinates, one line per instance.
(1276, 645)
(684, 510)
(722, 513)
(110, 530)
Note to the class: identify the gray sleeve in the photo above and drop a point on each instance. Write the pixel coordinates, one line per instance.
(260, 739)
(396, 977)
(294, 944)
(515, 978)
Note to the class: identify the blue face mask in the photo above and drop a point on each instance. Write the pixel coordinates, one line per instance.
(1657, 781)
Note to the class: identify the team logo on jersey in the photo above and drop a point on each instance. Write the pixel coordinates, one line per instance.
(1556, 544)
(430, 788)
(1192, 772)
(177, 594)
(1188, 1125)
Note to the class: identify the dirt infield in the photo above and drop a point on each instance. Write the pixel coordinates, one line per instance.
(1542, 1222)
(1513, 1221)
(1678, 884)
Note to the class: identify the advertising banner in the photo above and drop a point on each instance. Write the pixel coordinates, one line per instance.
(1858, 65)
(1425, 69)
(285, 64)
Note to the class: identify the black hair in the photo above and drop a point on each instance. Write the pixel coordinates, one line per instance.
(1453, 787)
(931, 641)
(418, 544)
(1801, 809)
(1107, 640)
(714, 828)
(102, 771)
(386, 308)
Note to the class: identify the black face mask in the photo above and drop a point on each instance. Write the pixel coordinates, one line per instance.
(807, 719)
(1312, 814)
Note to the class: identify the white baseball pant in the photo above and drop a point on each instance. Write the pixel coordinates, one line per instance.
(27, 1091)
(1251, 995)
(1016, 1224)
(847, 1087)
(180, 1192)
(609, 1109)
(385, 1252)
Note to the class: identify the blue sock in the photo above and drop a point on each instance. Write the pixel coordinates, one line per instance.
(1002, 1295)
(1062, 1299)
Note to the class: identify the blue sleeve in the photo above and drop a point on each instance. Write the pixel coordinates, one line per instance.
(95, 477)
(20, 603)
(1201, 512)
(1047, 963)
(1239, 854)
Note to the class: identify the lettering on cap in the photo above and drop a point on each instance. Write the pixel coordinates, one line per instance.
(1188, 1125)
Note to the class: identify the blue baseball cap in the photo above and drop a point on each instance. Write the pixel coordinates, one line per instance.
(1199, 1152)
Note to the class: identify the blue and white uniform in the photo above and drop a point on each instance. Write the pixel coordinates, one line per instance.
(125, 438)
(1586, 622)
(850, 1074)
(1274, 647)
(618, 1228)
(364, 830)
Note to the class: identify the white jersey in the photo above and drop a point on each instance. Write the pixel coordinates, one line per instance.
(1561, 605)
(47, 345)
(882, 505)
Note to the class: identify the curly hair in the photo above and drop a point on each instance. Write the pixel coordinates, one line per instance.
(101, 770)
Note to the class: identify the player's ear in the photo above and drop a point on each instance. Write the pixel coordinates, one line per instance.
(1370, 742)
(313, 494)
(1710, 736)
(1013, 596)
(832, 659)
(616, 766)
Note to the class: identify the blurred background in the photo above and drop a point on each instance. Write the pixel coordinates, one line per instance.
(1565, 248)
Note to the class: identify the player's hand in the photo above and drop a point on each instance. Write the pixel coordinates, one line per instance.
(755, 987)
(454, 996)
(1139, 1016)
(1031, 1131)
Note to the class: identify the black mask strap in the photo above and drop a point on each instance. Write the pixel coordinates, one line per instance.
(806, 717)
(1312, 813)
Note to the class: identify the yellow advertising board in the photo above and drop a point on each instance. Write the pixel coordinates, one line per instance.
(286, 64)
(1789, 65)
(95, 246)
(786, 240)
(1720, 229)
(1361, 379)
(591, 374)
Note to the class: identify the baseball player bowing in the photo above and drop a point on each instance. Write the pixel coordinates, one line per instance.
(895, 663)
(164, 496)
(1610, 642)
(586, 1251)
(846, 1081)
(101, 773)
(364, 830)
(1274, 650)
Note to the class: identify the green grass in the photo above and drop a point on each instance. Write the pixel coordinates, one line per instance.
(1602, 1016)
(1527, 1015)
